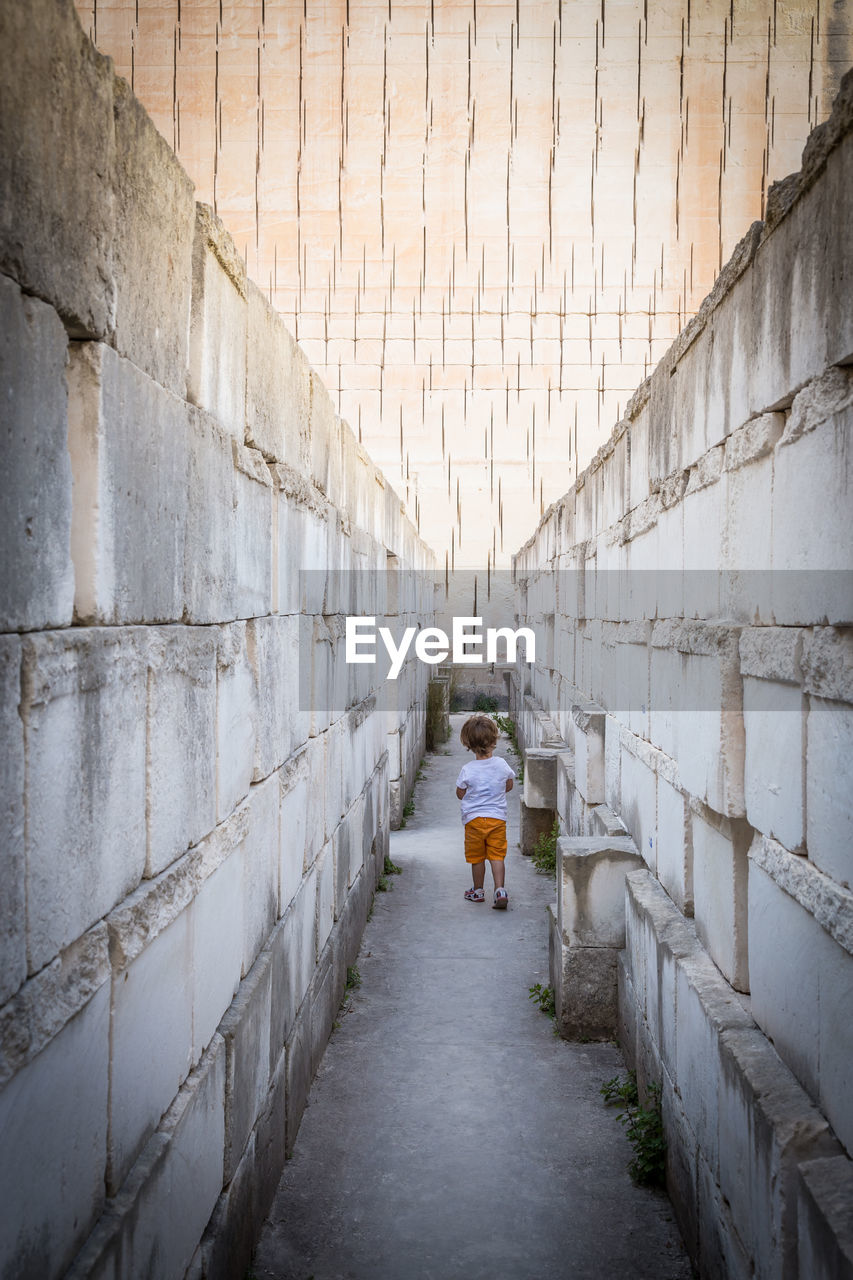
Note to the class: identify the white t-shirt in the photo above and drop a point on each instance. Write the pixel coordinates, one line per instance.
(485, 780)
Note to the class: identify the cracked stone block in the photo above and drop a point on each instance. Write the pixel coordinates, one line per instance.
(83, 699)
(57, 223)
(36, 571)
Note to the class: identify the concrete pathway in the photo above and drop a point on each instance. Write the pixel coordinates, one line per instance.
(449, 1134)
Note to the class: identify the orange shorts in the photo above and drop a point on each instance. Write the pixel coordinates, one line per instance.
(485, 838)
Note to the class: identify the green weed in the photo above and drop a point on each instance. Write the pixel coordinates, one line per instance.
(544, 997)
(391, 868)
(544, 856)
(643, 1127)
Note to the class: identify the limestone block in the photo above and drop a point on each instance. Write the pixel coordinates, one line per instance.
(216, 375)
(129, 455)
(675, 845)
(639, 805)
(316, 761)
(721, 1253)
(587, 1007)
(52, 1172)
(325, 895)
(217, 948)
(260, 869)
(278, 388)
(720, 850)
(589, 751)
(325, 1001)
(827, 663)
(84, 707)
(253, 515)
(293, 827)
(181, 751)
(299, 1074)
(226, 1247)
(825, 1218)
(681, 1170)
(812, 475)
(540, 778)
(13, 920)
(293, 945)
(209, 570)
(36, 573)
(236, 718)
(774, 716)
(272, 643)
(152, 250)
(767, 1124)
(704, 514)
(784, 975)
(835, 967)
(246, 1032)
(160, 1213)
(342, 852)
(324, 440)
(58, 155)
(395, 766)
(829, 788)
(746, 588)
(151, 1043)
(591, 889)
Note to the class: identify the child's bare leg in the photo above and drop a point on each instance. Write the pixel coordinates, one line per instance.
(478, 871)
(497, 865)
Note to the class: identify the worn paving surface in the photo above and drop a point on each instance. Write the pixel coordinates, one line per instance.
(449, 1134)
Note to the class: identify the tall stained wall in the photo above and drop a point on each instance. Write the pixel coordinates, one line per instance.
(187, 852)
(487, 218)
(694, 699)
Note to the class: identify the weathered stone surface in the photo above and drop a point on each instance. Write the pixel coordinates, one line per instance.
(827, 663)
(181, 751)
(13, 918)
(151, 1043)
(830, 904)
(52, 1171)
(209, 572)
(825, 1218)
(535, 823)
(674, 845)
(260, 869)
(272, 648)
(591, 889)
(720, 849)
(36, 573)
(253, 514)
(129, 456)
(589, 751)
(278, 388)
(236, 717)
(152, 250)
(58, 218)
(154, 1223)
(216, 375)
(217, 947)
(755, 439)
(584, 984)
(83, 700)
(47, 1003)
(540, 778)
(246, 1032)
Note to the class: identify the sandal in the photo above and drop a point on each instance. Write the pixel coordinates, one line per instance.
(501, 900)
(475, 895)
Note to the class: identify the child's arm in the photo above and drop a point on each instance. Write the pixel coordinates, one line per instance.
(460, 792)
(509, 782)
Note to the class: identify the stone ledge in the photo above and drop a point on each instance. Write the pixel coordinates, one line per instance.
(828, 902)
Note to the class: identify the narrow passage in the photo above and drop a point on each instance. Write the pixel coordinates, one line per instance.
(449, 1134)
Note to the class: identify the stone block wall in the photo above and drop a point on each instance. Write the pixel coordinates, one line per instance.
(196, 789)
(692, 600)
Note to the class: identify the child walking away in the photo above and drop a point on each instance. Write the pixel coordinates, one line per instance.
(482, 786)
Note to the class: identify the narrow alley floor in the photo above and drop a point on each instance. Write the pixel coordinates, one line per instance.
(449, 1134)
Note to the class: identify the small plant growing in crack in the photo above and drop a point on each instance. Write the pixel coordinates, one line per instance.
(390, 868)
(544, 997)
(544, 857)
(643, 1127)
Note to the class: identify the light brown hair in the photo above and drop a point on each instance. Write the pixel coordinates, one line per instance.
(479, 734)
